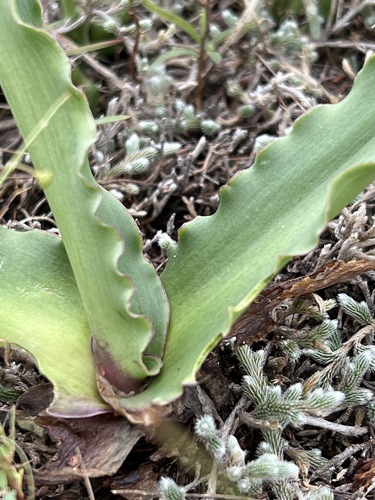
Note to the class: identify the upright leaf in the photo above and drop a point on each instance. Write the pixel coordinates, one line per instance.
(34, 74)
(267, 214)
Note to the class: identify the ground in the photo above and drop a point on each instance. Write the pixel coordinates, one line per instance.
(205, 110)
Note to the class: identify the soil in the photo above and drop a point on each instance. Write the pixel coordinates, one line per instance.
(278, 83)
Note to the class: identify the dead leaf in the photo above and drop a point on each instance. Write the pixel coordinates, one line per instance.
(364, 474)
(87, 447)
(144, 479)
(36, 399)
(256, 322)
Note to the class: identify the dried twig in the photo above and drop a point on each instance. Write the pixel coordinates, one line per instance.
(347, 430)
(337, 460)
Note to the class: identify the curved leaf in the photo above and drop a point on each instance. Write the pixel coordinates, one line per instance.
(34, 74)
(42, 311)
(173, 18)
(268, 213)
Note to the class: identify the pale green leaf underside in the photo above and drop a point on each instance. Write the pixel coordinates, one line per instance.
(268, 213)
(41, 310)
(34, 74)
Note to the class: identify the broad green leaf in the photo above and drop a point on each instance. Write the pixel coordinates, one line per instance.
(34, 74)
(41, 310)
(268, 213)
(149, 296)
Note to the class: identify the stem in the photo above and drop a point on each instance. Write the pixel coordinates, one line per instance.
(202, 58)
(133, 55)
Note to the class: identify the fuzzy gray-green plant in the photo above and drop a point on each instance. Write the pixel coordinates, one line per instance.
(357, 310)
(169, 490)
(276, 464)
(271, 404)
(347, 361)
(227, 453)
(139, 156)
(206, 430)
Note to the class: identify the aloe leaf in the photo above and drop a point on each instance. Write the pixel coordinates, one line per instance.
(267, 214)
(34, 74)
(149, 297)
(42, 311)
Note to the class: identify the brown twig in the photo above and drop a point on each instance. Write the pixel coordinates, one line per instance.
(132, 61)
(247, 15)
(113, 81)
(86, 478)
(347, 430)
(345, 44)
(351, 14)
(340, 458)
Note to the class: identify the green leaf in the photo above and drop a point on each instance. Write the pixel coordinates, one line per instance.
(92, 47)
(34, 81)
(111, 119)
(174, 19)
(174, 53)
(214, 56)
(42, 311)
(267, 214)
(203, 21)
(70, 8)
(149, 296)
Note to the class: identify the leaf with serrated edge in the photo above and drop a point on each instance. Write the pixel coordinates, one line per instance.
(33, 81)
(268, 213)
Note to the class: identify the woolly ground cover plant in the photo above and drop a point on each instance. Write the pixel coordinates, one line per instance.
(102, 326)
(278, 408)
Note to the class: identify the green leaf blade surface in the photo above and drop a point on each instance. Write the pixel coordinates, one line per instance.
(42, 311)
(267, 214)
(34, 74)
